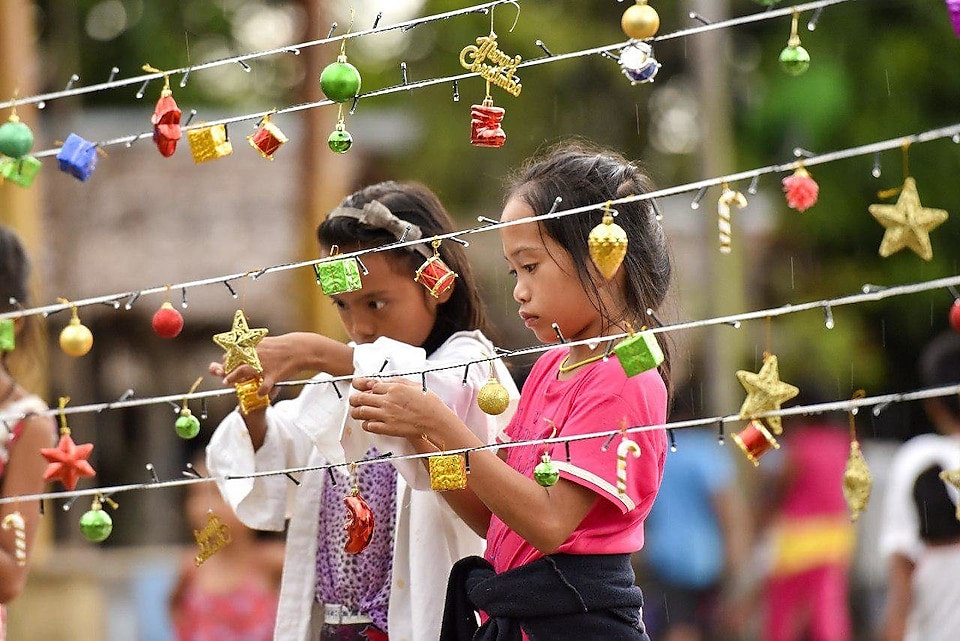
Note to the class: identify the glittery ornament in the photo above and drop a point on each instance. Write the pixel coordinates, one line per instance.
(67, 462)
(639, 352)
(907, 223)
(794, 59)
(727, 198)
(638, 63)
(77, 157)
(434, 273)
(240, 344)
(338, 276)
(187, 425)
(15, 521)
(75, 339)
(485, 129)
(16, 139)
(166, 122)
(765, 392)
(755, 441)
(640, 21)
(626, 446)
(19, 171)
(955, 315)
(546, 472)
(209, 143)
(8, 335)
(247, 395)
(447, 472)
(493, 398)
(801, 190)
(95, 524)
(857, 481)
(340, 141)
(167, 322)
(211, 538)
(359, 524)
(953, 8)
(267, 138)
(608, 245)
(340, 80)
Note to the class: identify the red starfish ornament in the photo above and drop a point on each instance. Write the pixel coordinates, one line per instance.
(68, 461)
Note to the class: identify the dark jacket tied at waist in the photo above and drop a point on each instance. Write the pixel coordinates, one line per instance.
(557, 597)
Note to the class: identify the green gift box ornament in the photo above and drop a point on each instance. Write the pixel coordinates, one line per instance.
(338, 276)
(20, 171)
(8, 338)
(639, 352)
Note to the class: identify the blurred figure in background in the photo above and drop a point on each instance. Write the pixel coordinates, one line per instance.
(919, 536)
(695, 537)
(233, 594)
(804, 521)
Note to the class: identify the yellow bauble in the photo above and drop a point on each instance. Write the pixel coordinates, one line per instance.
(493, 398)
(608, 246)
(76, 339)
(640, 21)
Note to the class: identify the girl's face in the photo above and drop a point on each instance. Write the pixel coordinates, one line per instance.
(390, 304)
(547, 286)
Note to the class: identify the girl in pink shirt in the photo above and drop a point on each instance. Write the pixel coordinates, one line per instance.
(557, 559)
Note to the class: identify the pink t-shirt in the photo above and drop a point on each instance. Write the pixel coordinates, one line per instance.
(599, 397)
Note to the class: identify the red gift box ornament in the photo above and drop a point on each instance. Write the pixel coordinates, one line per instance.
(267, 138)
(434, 273)
(165, 119)
(485, 130)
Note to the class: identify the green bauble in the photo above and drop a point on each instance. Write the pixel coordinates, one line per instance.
(187, 424)
(546, 472)
(794, 60)
(16, 139)
(340, 140)
(340, 80)
(96, 525)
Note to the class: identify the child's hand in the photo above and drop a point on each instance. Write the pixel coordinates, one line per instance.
(398, 407)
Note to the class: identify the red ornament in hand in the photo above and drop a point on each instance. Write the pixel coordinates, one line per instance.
(166, 123)
(955, 315)
(167, 321)
(801, 190)
(485, 130)
(68, 461)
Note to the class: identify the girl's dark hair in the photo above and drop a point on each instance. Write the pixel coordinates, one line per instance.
(583, 174)
(940, 366)
(15, 294)
(419, 206)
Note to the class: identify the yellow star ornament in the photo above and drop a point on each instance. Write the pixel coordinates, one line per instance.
(765, 392)
(240, 344)
(907, 224)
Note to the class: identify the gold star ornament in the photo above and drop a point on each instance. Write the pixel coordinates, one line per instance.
(765, 392)
(907, 223)
(240, 344)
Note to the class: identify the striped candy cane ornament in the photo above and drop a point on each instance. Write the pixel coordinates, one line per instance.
(727, 198)
(626, 446)
(14, 521)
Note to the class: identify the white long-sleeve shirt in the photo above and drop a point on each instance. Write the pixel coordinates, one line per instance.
(315, 429)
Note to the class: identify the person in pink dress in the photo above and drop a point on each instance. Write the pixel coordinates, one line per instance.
(557, 562)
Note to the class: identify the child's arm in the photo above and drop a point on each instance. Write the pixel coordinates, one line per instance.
(543, 517)
(23, 475)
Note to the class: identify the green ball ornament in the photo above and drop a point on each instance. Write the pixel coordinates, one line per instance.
(16, 139)
(340, 140)
(340, 80)
(794, 60)
(187, 424)
(546, 472)
(96, 525)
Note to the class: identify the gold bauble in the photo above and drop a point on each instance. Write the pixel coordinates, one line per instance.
(857, 482)
(493, 398)
(640, 21)
(75, 338)
(608, 246)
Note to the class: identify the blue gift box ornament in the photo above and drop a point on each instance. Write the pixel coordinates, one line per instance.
(77, 157)
(20, 171)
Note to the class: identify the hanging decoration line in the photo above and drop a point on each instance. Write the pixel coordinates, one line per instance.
(847, 405)
(245, 58)
(129, 139)
(843, 154)
(869, 293)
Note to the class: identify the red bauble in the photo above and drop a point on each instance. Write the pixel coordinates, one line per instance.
(167, 321)
(955, 315)
(801, 190)
(166, 123)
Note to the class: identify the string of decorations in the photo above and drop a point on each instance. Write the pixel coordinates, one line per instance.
(878, 403)
(128, 298)
(869, 293)
(645, 66)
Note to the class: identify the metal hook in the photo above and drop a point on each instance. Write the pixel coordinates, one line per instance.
(70, 82)
(113, 74)
(812, 24)
(186, 74)
(556, 329)
(376, 20)
(515, 20)
(232, 291)
(153, 472)
(540, 44)
(183, 297)
(456, 92)
(403, 71)
(696, 16)
(754, 185)
(695, 204)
